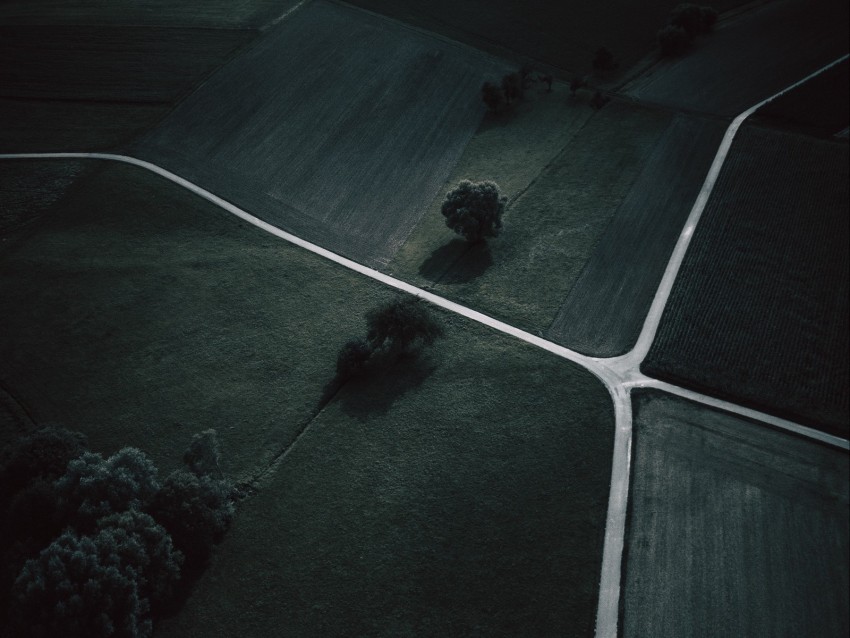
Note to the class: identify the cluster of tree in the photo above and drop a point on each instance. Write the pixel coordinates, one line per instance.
(94, 546)
(687, 21)
(603, 61)
(400, 328)
(511, 90)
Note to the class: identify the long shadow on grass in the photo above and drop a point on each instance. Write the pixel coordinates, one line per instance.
(374, 391)
(457, 262)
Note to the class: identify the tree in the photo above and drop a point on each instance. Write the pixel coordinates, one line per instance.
(604, 60)
(512, 87)
(202, 457)
(709, 18)
(196, 511)
(688, 17)
(598, 100)
(402, 326)
(492, 96)
(547, 78)
(673, 41)
(578, 82)
(352, 358)
(474, 210)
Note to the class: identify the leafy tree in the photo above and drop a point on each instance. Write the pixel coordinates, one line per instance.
(93, 487)
(196, 511)
(352, 358)
(202, 456)
(401, 326)
(97, 585)
(673, 41)
(474, 210)
(492, 96)
(604, 60)
(512, 87)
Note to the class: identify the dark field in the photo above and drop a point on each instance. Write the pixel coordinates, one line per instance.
(561, 34)
(735, 529)
(820, 107)
(473, 504)
(759, 312)
(750, 57)
(604, 312)
(337, 126)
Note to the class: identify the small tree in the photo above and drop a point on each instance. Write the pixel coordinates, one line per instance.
(604, 60)
(492, 96)
(474, 210)
(512, 87)
(402, 326)
(673, 41)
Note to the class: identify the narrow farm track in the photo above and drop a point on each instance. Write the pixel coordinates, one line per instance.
(619, 374)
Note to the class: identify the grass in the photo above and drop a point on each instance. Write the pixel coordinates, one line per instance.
(734, 527)
(465, 495)
(467, 489)
(759, 312)
(335, 126)
(554, 220)
(564, 35)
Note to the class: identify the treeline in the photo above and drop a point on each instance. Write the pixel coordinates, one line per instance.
(92, 546)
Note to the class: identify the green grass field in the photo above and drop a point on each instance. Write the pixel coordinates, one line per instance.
(759, 311)
(554, 220)
(467, 489)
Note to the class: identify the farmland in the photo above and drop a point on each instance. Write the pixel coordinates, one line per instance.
(563, 35)
(467, 488)
(551, 228)
(354, 181)
(759, 313)
(729, 71)
(605, 309)
(733, 527)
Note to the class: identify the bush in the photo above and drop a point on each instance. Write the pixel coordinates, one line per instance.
(673, 41)
(196, 511)
(474, 210)
(402, 326)
(92, 487)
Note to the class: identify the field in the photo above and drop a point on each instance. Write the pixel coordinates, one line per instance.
(466, 489)
(564, 35)
(820, 107)
(605, 309)
(759, 312)
(749, 58)
(551, 228)
(735, 529)
(335, 126)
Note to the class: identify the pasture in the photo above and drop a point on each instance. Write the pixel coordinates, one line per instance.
(749, 57)
(759, 312)
(564, 35)
(466, 488)
(552, 226)
(335, 126)
(734, 529)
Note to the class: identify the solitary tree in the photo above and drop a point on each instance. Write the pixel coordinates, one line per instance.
(492, 96)
(604, 60)
(474, 210)
(402, 326)
(673, 40)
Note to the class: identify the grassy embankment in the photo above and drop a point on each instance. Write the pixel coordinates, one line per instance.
(734, 529)
(759, 311)
(91, 76)
(468, 489)
(567, 169)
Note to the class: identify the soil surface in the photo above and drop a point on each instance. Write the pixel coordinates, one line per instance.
(734, 529)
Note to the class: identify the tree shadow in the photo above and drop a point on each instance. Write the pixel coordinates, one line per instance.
(457, 262)
(374, 391)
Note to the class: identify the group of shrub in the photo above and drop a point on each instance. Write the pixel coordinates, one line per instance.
(687, 21)
(94, 546)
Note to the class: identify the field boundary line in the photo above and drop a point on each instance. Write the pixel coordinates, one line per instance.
(283, 16)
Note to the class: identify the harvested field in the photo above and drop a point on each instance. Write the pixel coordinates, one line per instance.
(759, 312)
(140, 314)
(564, 35)
(110, 64)
(464, 497)
(735, 529)
(337, 126)
(166, 13)
(550, 229)
(604, 312)
(820, 107)
(750, 57)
